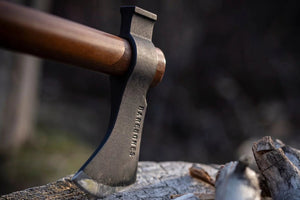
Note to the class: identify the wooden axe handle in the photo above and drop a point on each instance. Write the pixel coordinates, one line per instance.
(34, 32)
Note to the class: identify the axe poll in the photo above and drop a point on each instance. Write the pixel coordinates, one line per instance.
(133, 62)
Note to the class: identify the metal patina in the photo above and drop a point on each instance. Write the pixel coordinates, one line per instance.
(113, 165)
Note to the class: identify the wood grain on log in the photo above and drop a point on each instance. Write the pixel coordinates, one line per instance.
(279, 164)
(154, 181)
(193, 196)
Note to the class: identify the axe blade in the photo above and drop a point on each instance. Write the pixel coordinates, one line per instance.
(113, 165)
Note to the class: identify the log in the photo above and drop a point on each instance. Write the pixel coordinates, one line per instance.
(154, 181)
(279, 164)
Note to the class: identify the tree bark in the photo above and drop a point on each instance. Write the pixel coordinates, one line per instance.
(19, 112)
(279, 164)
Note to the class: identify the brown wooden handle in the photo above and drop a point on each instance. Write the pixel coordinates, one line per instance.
(34, 32)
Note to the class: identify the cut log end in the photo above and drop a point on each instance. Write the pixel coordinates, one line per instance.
(279, 164)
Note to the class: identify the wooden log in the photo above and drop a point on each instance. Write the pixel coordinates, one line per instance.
(279, 164)
(154, 181)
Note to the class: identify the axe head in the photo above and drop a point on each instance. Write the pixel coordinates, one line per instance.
(113, 165)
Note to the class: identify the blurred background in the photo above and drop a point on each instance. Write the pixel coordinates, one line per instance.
(232, 77)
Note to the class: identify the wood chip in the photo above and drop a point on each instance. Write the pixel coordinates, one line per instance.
(199, 173)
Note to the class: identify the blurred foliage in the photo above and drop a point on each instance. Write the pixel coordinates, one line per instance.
(232, 75)
(51, 154)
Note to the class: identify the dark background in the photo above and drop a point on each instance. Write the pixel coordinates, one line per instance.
(232, 77)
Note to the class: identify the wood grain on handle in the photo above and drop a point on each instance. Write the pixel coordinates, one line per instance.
(34, 32)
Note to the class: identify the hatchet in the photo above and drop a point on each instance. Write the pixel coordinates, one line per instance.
(133, 63)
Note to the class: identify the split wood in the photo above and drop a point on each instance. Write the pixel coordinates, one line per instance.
(278, 165)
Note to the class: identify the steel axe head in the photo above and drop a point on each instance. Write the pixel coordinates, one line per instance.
(113, 165)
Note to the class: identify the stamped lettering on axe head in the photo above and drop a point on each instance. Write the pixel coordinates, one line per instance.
(113, 165)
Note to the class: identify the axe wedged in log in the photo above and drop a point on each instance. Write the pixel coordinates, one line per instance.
(132, 61)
